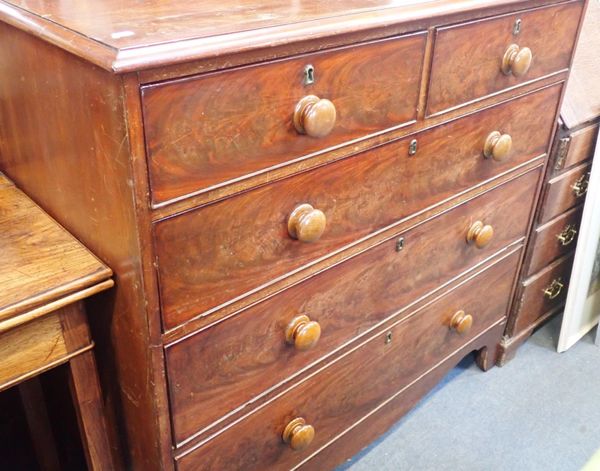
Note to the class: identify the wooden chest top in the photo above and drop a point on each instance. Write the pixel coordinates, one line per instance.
(127, 35)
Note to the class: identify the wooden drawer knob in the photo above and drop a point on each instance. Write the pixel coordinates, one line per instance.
(303, 333)
(314, 116)
(497, 146)
(516, 60)
(298, 434)
(480, 234)
(306, 223)
(461, 322)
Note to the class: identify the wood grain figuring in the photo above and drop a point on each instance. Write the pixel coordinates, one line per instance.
(532, 301)
(582, 96)
(461, 73)
(238, 359)
(560, 193)
(211, 129)
(213, 254)
(40, 343)
(356, 383)
(78, 169)
(545, 243)
(129, 36)
(51, 263)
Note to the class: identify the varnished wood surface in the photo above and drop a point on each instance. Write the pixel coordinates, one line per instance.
(581, 146)
(40, 262)
(127, 35)
(582, 97)
(461, 73)
(545, 245)
(223, 250)
(532, 303)
(241, 357)
(212, 129)
(559, 194)
(356, 383)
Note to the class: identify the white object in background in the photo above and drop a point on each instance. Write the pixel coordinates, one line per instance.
(582, 309)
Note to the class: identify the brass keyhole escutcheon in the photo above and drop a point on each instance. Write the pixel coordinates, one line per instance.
(309, 74)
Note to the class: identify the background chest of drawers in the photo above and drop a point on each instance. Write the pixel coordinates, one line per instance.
(312, 212)
(545, 274)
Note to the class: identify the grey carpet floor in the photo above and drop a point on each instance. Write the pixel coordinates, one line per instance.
(539, 412)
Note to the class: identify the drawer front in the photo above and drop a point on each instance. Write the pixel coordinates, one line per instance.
(576, 148)
(554, 239)
(543, 292)
(236, 360)
(564, 192)
(357, 382)
(218, 252)
(207, 130)
(467, 58)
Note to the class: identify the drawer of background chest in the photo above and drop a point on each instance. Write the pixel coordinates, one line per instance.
(576, 148)
(210, 129)
(543, 292)
(564, 191)
(357, 382)
(218, 252)
(554, 239)
(224, 366)
(468, 58)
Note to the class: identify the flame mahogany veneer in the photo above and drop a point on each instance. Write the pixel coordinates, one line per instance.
(313, 210)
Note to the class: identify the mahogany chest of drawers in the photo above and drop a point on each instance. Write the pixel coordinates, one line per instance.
(313, 210)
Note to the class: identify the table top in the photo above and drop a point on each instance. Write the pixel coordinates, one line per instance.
(126, 35)
(41, 264)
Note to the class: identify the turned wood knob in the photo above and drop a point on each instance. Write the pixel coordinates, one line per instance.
(306, 223)
(480, 234)
(302, 333)
(314, 116)
(461, 322)
(497, 146)
(516, 60)
(298, 434)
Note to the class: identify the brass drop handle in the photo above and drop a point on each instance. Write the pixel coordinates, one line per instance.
(480, 234)
(580, 187)
(314, 116)
(555, 288)
(298, 434)
(497, 146)
(567, 236)
(517, 60)
(302, 333)
(306, 223)
(461, 322)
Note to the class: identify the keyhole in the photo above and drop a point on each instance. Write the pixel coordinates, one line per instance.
(517, 27)
(309, 74)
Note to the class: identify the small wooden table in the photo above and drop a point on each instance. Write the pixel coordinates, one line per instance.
(45, 274)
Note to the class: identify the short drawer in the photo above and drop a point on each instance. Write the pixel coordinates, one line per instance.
(223, 367)
(224, 250)
(564, 192)
(554, 239)
(576, 148)
(204, 131)
(360, 380)
(468, 58)
(542, 293)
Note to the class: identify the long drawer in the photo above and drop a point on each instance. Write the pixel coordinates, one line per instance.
(210, 129)
(221, 251)
(543, 292)
(468, 58)
(554, 239)
(224, 367)
(354, 384)
(564, 192)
